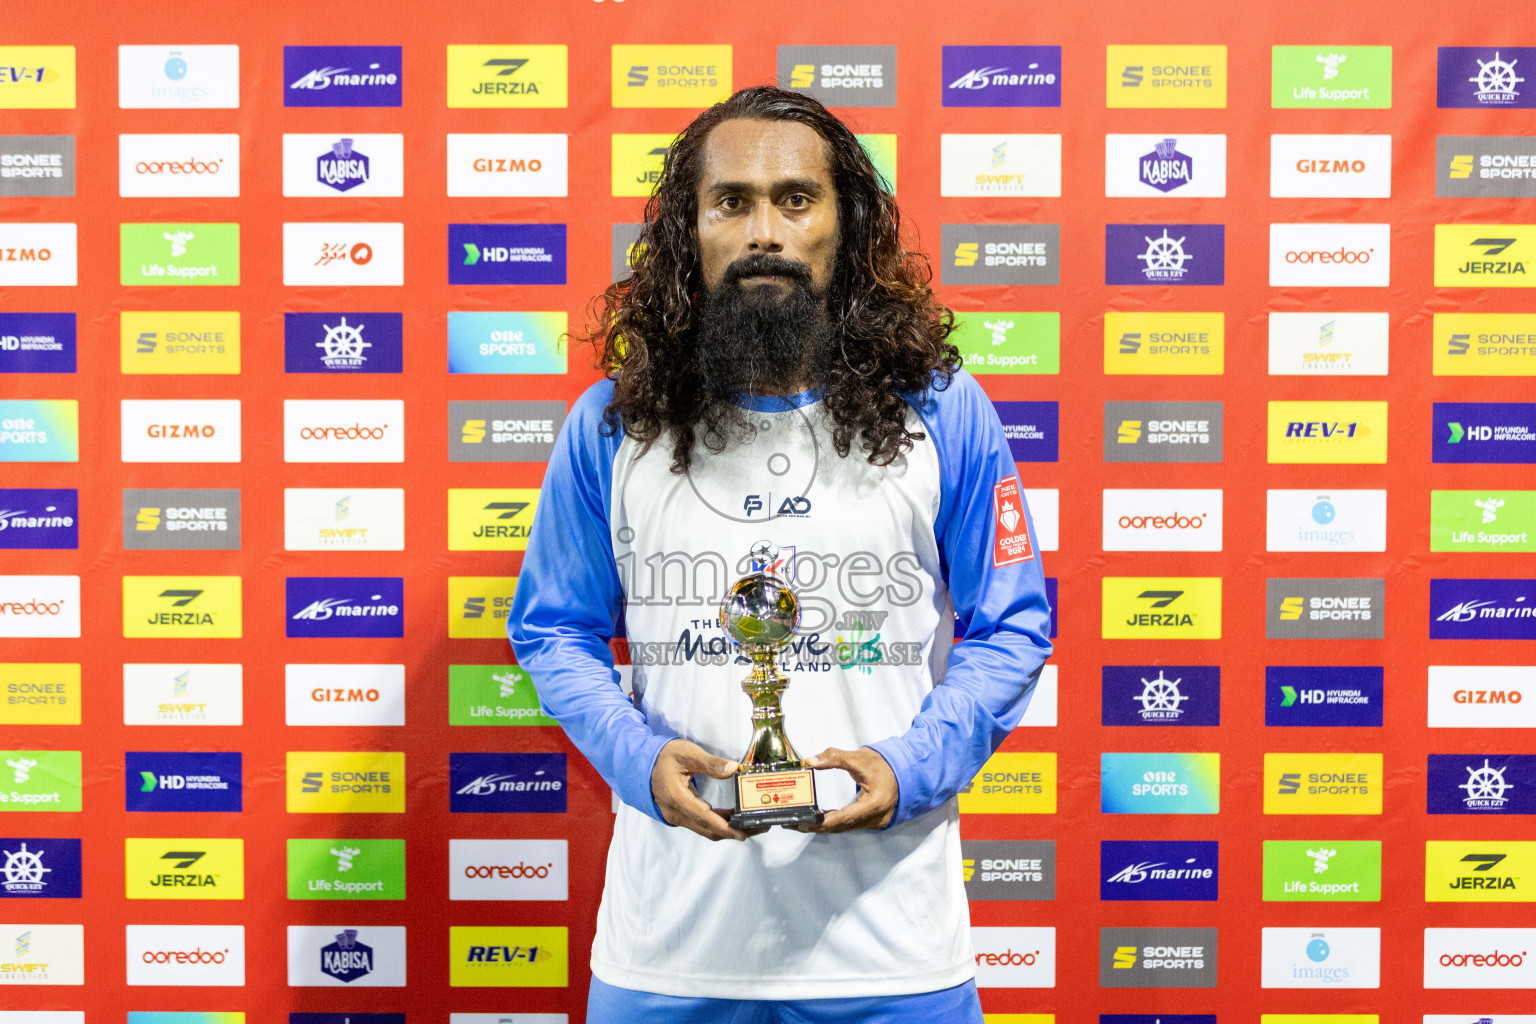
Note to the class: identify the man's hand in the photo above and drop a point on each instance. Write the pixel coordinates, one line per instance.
(672, 786)
(878, 791)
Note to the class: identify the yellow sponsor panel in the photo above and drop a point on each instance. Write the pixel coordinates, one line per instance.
(1328, 432)
(490, 519)
(1012, 784)
(1485, 344)
(37, 78)
(346, 782)
(185, 869)
(670, 76)
(637, 161)
(1165, 76)
(1485, 255)
(182, 607)
(508, 957)
(1018, 1018)
(1160, 608)
(39, 693)
(1319, 1018)
(180, 342)
(1503, 871)
(507, 76)
(1322, 783)
(1165, 343)
(478, 606)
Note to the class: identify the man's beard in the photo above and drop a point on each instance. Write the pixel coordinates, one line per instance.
(761, 339)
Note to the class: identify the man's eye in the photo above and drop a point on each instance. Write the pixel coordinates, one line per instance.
(730, 202)
(798, 200)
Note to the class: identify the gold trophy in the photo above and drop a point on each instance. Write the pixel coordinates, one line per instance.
(774, 785)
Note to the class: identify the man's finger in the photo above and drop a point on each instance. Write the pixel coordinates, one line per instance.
(695, 760)
(832, 757)
(862, 813)
(697, 816)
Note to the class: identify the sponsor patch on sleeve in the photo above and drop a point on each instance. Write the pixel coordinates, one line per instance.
(1012, 538)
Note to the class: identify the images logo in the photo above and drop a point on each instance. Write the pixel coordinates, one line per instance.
(344, 782)
(39, 869)
(1324, 609)
(346, 869)
(1012, 783)
(1002, 76)
(493, 695)
(1162, 695)
(186, 607)
(508, 957)
(1481, 697)
(343, 343)
(1482, 76)
(1480, 166)
(1330, 166)
(1322, 783)
(1479, 872)
(1484, 432)
(37, 77)
(1016, 342)
(1157, 957)
(1160, 166)
(506, 254)
(342, 76)
(1143, 607)
(341, 956)
(33, 520)
(173, 781)
(1479, 958)
(1009, 869)
(507, 869)
(346, 606)
(1165, 76)
(180, 254)
(1014, 957)
(1335, 77)
(1328, 695)
(37, 254)
(1164, 343)
(670, 76)
(478, 606)
(1157, 870)
(1159, 783)
(1165, 254)
(503, 431)
(1327, 432)
(1315, 958)
(185, 869)
(502, 783)
(1333, 521)
(163, 77)
(840, 76)
(1020, 254)
(507, 76)
(332, 694)
(1335, 870)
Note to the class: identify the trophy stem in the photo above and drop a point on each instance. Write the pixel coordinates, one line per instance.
(769, 749)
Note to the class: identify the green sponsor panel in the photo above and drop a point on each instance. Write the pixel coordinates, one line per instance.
(493, 695)
(1009, 342)
(179, 254)
(882, 153)
(1331, 76)
(39, 780)
(1482, 521)
(1328, 870)
(346, 869)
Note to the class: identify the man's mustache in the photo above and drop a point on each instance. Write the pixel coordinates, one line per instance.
(764, 264)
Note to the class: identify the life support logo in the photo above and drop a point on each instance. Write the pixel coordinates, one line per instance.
(346, 869)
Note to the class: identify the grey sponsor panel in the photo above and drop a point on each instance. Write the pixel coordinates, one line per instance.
(624, 236)
(1009, 869)
(1019, 254)
(841, 76)
(1324, 609)
(1485, 165)
(37, 165)
(503, 431)
(1157, 957)
(181, 519)
(1162, 431)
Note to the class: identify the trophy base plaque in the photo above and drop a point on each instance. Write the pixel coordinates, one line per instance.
(768, 798)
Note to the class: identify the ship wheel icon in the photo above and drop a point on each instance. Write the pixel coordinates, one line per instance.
(1496, 79)
(23, 867)
(343, 341)
(1485, 783)
(1165, 257)
(1161, 694)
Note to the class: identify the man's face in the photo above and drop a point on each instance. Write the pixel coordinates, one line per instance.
(767, 190)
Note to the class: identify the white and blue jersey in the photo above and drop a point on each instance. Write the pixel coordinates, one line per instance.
(886, 560)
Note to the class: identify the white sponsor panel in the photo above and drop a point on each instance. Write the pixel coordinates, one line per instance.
(343, 431)
(1042, 706)
(181, 430)
(1489, 958)
(508, 165)
(39, 606)
(345, 254)
(1482, 696)
(186, 955)
(179, 693)
(1470, 1017)
(552, 1018)
(369, 957)
(1000, 165)
(508, 869)
(1330, 166)
(344, 518)
(1015, 957)
(41, 954)
(345, 694)
(1330, 255)
(1325, 520)
(1321, 958)
(38, 255)
(1167, 166)
(1045, 512)
(343, 164)
(1328, 344)
(43, 1016)
(178, 165)
(1162, 520)
(172, 76)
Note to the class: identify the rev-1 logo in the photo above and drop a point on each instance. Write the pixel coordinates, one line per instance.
(798, 506)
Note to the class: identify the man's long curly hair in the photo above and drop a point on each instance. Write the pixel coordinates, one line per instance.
(888, 334)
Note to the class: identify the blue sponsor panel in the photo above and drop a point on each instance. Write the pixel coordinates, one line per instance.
(1162, 695)
(1333, 695)
(1485, 784)
(37, 343)
(506, 783)
(506, 254)
(177, 781)
(1484, 432)
(32, 868)
(1157, 1018)
(1482, 609)
(39, 519)
(1158, 870)
(347, 1018)
(1165, 254)
(1002, 76)
(342, 76)
(346, 606)
(1050, 597)
(1160, 783)
(343, 343)
(1485, 77)
(1032, 430)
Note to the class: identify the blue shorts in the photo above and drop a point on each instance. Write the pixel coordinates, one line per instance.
(609, 1005)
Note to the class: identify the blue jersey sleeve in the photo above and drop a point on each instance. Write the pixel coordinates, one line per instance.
(992, 566)
(567, 601)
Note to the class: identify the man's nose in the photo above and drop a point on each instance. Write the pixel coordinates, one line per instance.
(765, 229)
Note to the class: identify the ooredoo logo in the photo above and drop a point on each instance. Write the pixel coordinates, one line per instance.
(178, 165)
(1015, 957)
(39, 606)
(343, 431)
(1479, 958)
(507, 869)
(1162, 520)
(186, 955)
(1330, 255)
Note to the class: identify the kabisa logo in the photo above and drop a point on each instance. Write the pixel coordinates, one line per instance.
(1314, 958)
(1165, 76)
(507, 76)
(1019, 254)
(840, 76)
(502, 783)
(1327, 695)
(37, 165)
(1482, 609)
(1470, 165)
(1485, 76)
(1322, 783)
(1158, 870)
(1162, 431)
(37, 342)
(1157, 957)
(32, 868)
(1159, 166)
(346, 959)
(1324, 609)
(1165, 254)
(1162, 695)
(1002, 76)
(1138, 607)
(1165, 168)
(1484, 255)
(185, 869)
(174, 781)
(1009, 869)
(175, 519)
(343, 168)
(185, 607)
(1479, 872)
(1482, 959)
(345, 606)
(506, 254)
(346, 869)
(1482, 784)
(37, 77)
(342, 76)
(1331, 77)
(1172, 783)
(670, 76)
(1334, 870)
(503, 431)
(1484, 432)
(343, 956)
(34, 520)
(343, 342)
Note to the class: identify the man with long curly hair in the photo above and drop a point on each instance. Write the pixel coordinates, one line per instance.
(778, 369)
